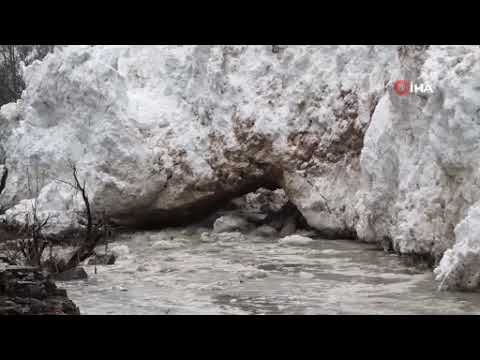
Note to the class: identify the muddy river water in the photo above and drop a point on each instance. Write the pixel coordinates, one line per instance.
(171, 272)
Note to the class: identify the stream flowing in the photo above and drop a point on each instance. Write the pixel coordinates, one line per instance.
(174, 272)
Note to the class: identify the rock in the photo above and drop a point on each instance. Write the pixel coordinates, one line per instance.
(77, 273)
(265, 231)
(254, 217)
(102, 259)
(26, 291)
(289, 227)
(307, 233)
(296, 240)
(230, 223)
(287, 213)
(265, 200)
(256, 207)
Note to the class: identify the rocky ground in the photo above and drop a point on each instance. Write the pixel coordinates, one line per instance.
(27, 291)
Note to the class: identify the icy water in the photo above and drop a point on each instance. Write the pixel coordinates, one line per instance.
(182, 275)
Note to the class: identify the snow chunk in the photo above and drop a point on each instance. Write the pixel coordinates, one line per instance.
(120, 251)
(459, 267)
(296, 240)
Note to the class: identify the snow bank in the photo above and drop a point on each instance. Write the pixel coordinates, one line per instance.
(163, 131)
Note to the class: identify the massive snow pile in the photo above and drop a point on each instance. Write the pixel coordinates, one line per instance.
(160, 133)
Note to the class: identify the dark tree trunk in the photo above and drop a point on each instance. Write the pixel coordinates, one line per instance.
(3, 180)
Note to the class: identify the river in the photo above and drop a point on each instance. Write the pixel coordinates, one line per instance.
(169, 272)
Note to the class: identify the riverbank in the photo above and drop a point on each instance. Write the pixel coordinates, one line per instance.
(27, 291)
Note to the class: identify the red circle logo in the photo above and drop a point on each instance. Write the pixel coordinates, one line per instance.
(401, 87)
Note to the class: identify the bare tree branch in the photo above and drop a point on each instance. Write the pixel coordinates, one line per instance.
(93, 233)
(3, 180)
(66, 183)
(34, 245)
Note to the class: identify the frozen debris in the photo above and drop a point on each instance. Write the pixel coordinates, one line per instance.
(120, 251)
(296, 240)
(77, 273)
(167, 245)
(230, 223)
(206, 237)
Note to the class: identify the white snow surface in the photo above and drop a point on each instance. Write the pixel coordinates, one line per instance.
(154, 128)
(295, 240)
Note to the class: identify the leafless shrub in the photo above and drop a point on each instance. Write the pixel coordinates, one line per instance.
(95, 230)
(32, 243)
(33, 246)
